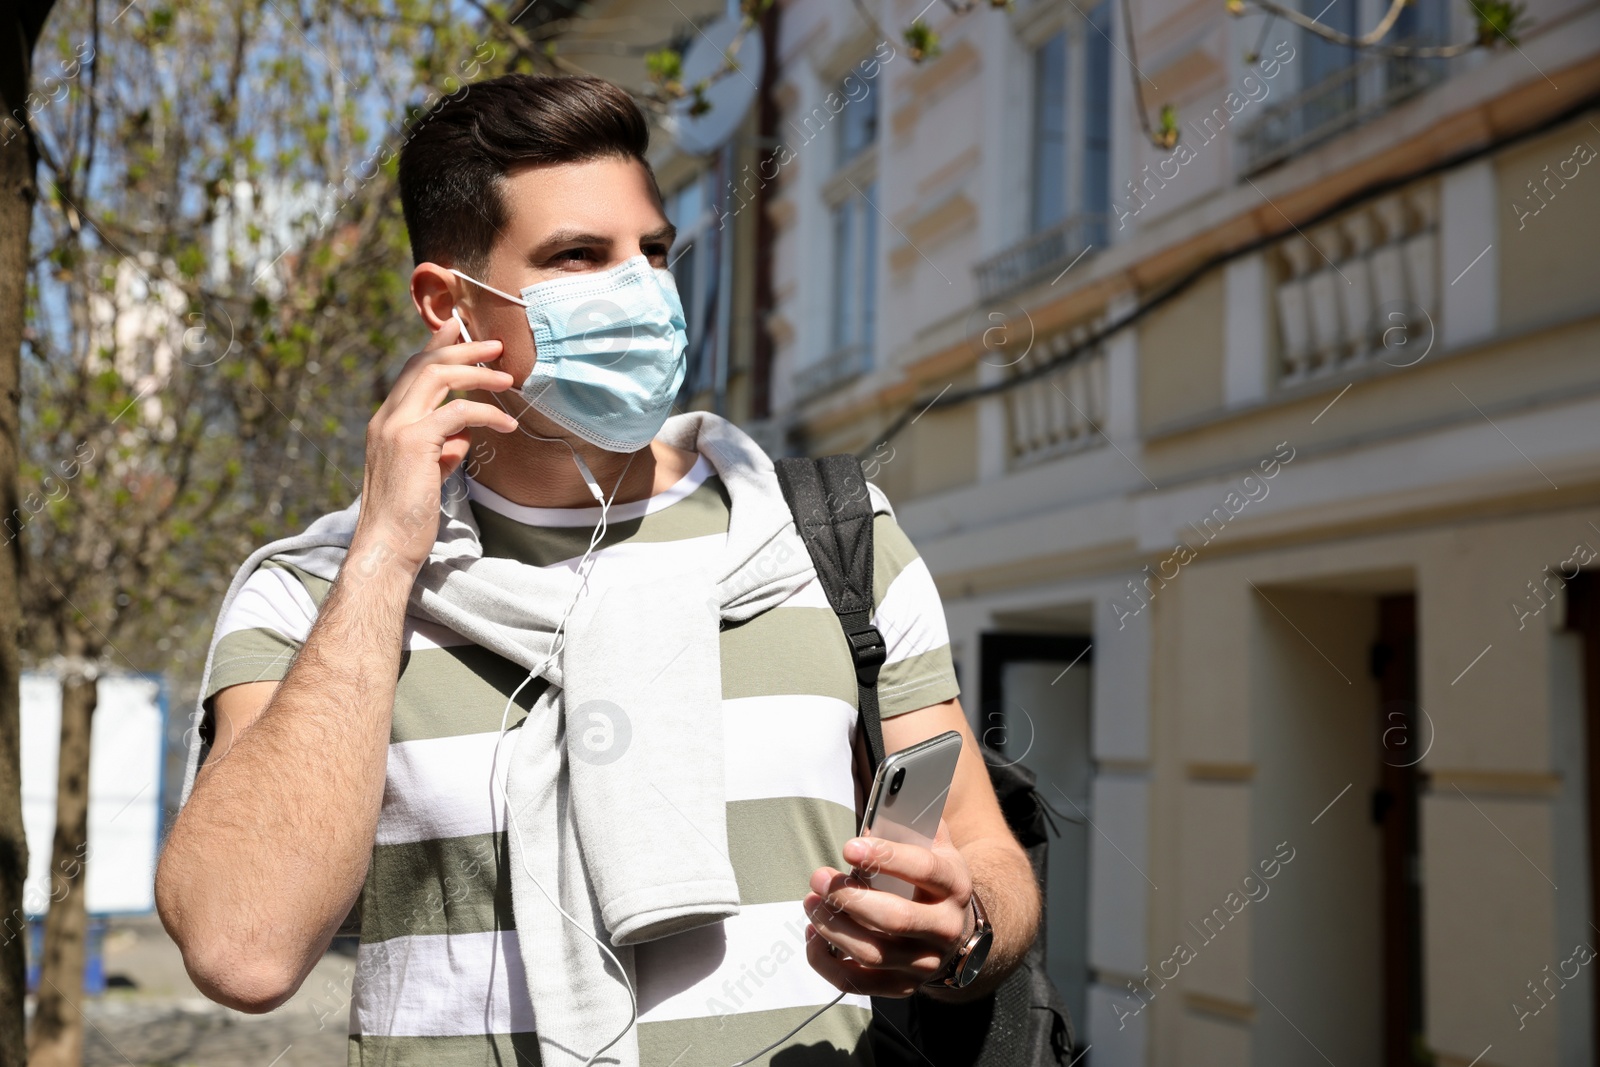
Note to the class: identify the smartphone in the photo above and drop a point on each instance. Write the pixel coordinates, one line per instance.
(907, 800)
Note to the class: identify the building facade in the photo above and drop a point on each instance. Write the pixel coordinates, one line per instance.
(723, 282)
(1259, 474)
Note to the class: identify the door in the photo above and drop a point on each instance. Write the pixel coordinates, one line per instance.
(1583, 617)
(1035, 703)
(1404, 737)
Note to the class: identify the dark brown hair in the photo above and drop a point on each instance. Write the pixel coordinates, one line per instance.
(456, 156)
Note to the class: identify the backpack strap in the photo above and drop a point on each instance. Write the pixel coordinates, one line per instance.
(833, 512)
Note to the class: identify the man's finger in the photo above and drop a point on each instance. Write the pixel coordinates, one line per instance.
(436, 381)
(457, 415)
(464, 352)
(847, 976)
(937, 870)
(889, 913)
(868, 947)
(444, 346)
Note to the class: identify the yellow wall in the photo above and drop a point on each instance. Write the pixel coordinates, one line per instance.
(1389, 399)
(1243, 693)
(1180, 355)
(1549, 261)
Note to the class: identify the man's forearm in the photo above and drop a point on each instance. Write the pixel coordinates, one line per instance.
(1004, 880)
(271, 850)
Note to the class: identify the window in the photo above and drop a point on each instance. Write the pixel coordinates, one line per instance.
(1097, 111)
(1421, 22)
(1068, 153)
(1340, 87)
(693, 261)
(843, 345)
(1050, 132)
(1071, 123)
(858, 122)
(855, 253)
(1327, 63)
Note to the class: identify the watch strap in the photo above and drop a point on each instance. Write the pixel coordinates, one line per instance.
(980, 926)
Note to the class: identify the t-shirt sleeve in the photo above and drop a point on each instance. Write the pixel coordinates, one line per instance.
(260, 633)
(258, 636)
(917, 671)
(262, 629)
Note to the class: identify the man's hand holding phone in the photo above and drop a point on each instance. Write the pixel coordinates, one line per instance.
(888, 946)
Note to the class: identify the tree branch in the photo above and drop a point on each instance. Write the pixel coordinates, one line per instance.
(1367, 41)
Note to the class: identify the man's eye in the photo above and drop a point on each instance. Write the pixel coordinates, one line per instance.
(578, 254)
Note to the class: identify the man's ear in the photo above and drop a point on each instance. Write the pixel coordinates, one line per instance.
(434, 293)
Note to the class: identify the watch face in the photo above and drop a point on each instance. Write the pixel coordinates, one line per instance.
(974, 961)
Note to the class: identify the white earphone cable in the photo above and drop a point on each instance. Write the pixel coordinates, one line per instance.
(558, 642)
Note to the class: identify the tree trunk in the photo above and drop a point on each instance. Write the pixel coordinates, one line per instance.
(56, 1039)
(20, 25)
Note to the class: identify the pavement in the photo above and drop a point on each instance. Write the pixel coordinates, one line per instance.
(151, 1014)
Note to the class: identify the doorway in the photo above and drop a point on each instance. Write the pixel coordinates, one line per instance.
(1036, 708)
(1583, 621)
(1318, 941)
(1404, 737)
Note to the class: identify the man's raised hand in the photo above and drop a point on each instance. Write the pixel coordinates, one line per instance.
(416, 440)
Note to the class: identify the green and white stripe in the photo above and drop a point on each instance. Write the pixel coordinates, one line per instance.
(439, 972)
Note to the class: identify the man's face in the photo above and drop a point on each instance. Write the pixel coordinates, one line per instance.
(564, 219)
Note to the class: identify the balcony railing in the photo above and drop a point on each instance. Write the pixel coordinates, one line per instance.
(834, 369)
(1360, 288)
(1061, 411)
(1042, 255)
(1346, 99)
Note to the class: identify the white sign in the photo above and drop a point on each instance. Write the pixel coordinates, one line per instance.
(126, 745)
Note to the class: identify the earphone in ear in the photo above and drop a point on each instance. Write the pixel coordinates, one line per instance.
(583, 468)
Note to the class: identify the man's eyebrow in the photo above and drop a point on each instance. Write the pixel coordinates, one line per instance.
(573, 237)
(667, 234)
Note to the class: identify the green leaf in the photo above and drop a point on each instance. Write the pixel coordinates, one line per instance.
(1498, 20)
(664, 67)
(922, 42)
(700, 104)
(1167, 132)
(190, 260)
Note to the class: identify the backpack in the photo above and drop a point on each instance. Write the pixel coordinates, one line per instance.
(1024, 1022)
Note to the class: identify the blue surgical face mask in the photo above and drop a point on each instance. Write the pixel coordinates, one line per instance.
(609, 351)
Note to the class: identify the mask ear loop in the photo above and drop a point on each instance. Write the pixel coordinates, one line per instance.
(583, 468)
(559, 643)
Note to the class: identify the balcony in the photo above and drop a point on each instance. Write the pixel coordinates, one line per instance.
(1358, 92)
(1359, 289)
(1042, 255)
(1061, 411)
(834, 369)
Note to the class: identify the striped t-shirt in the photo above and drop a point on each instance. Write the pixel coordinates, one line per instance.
(439, 977)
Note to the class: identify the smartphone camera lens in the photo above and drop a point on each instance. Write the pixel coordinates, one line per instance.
(897, 781)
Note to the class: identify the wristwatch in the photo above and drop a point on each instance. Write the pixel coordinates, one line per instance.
(962, 969)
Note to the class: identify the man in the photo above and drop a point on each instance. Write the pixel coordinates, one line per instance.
(350, 739)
